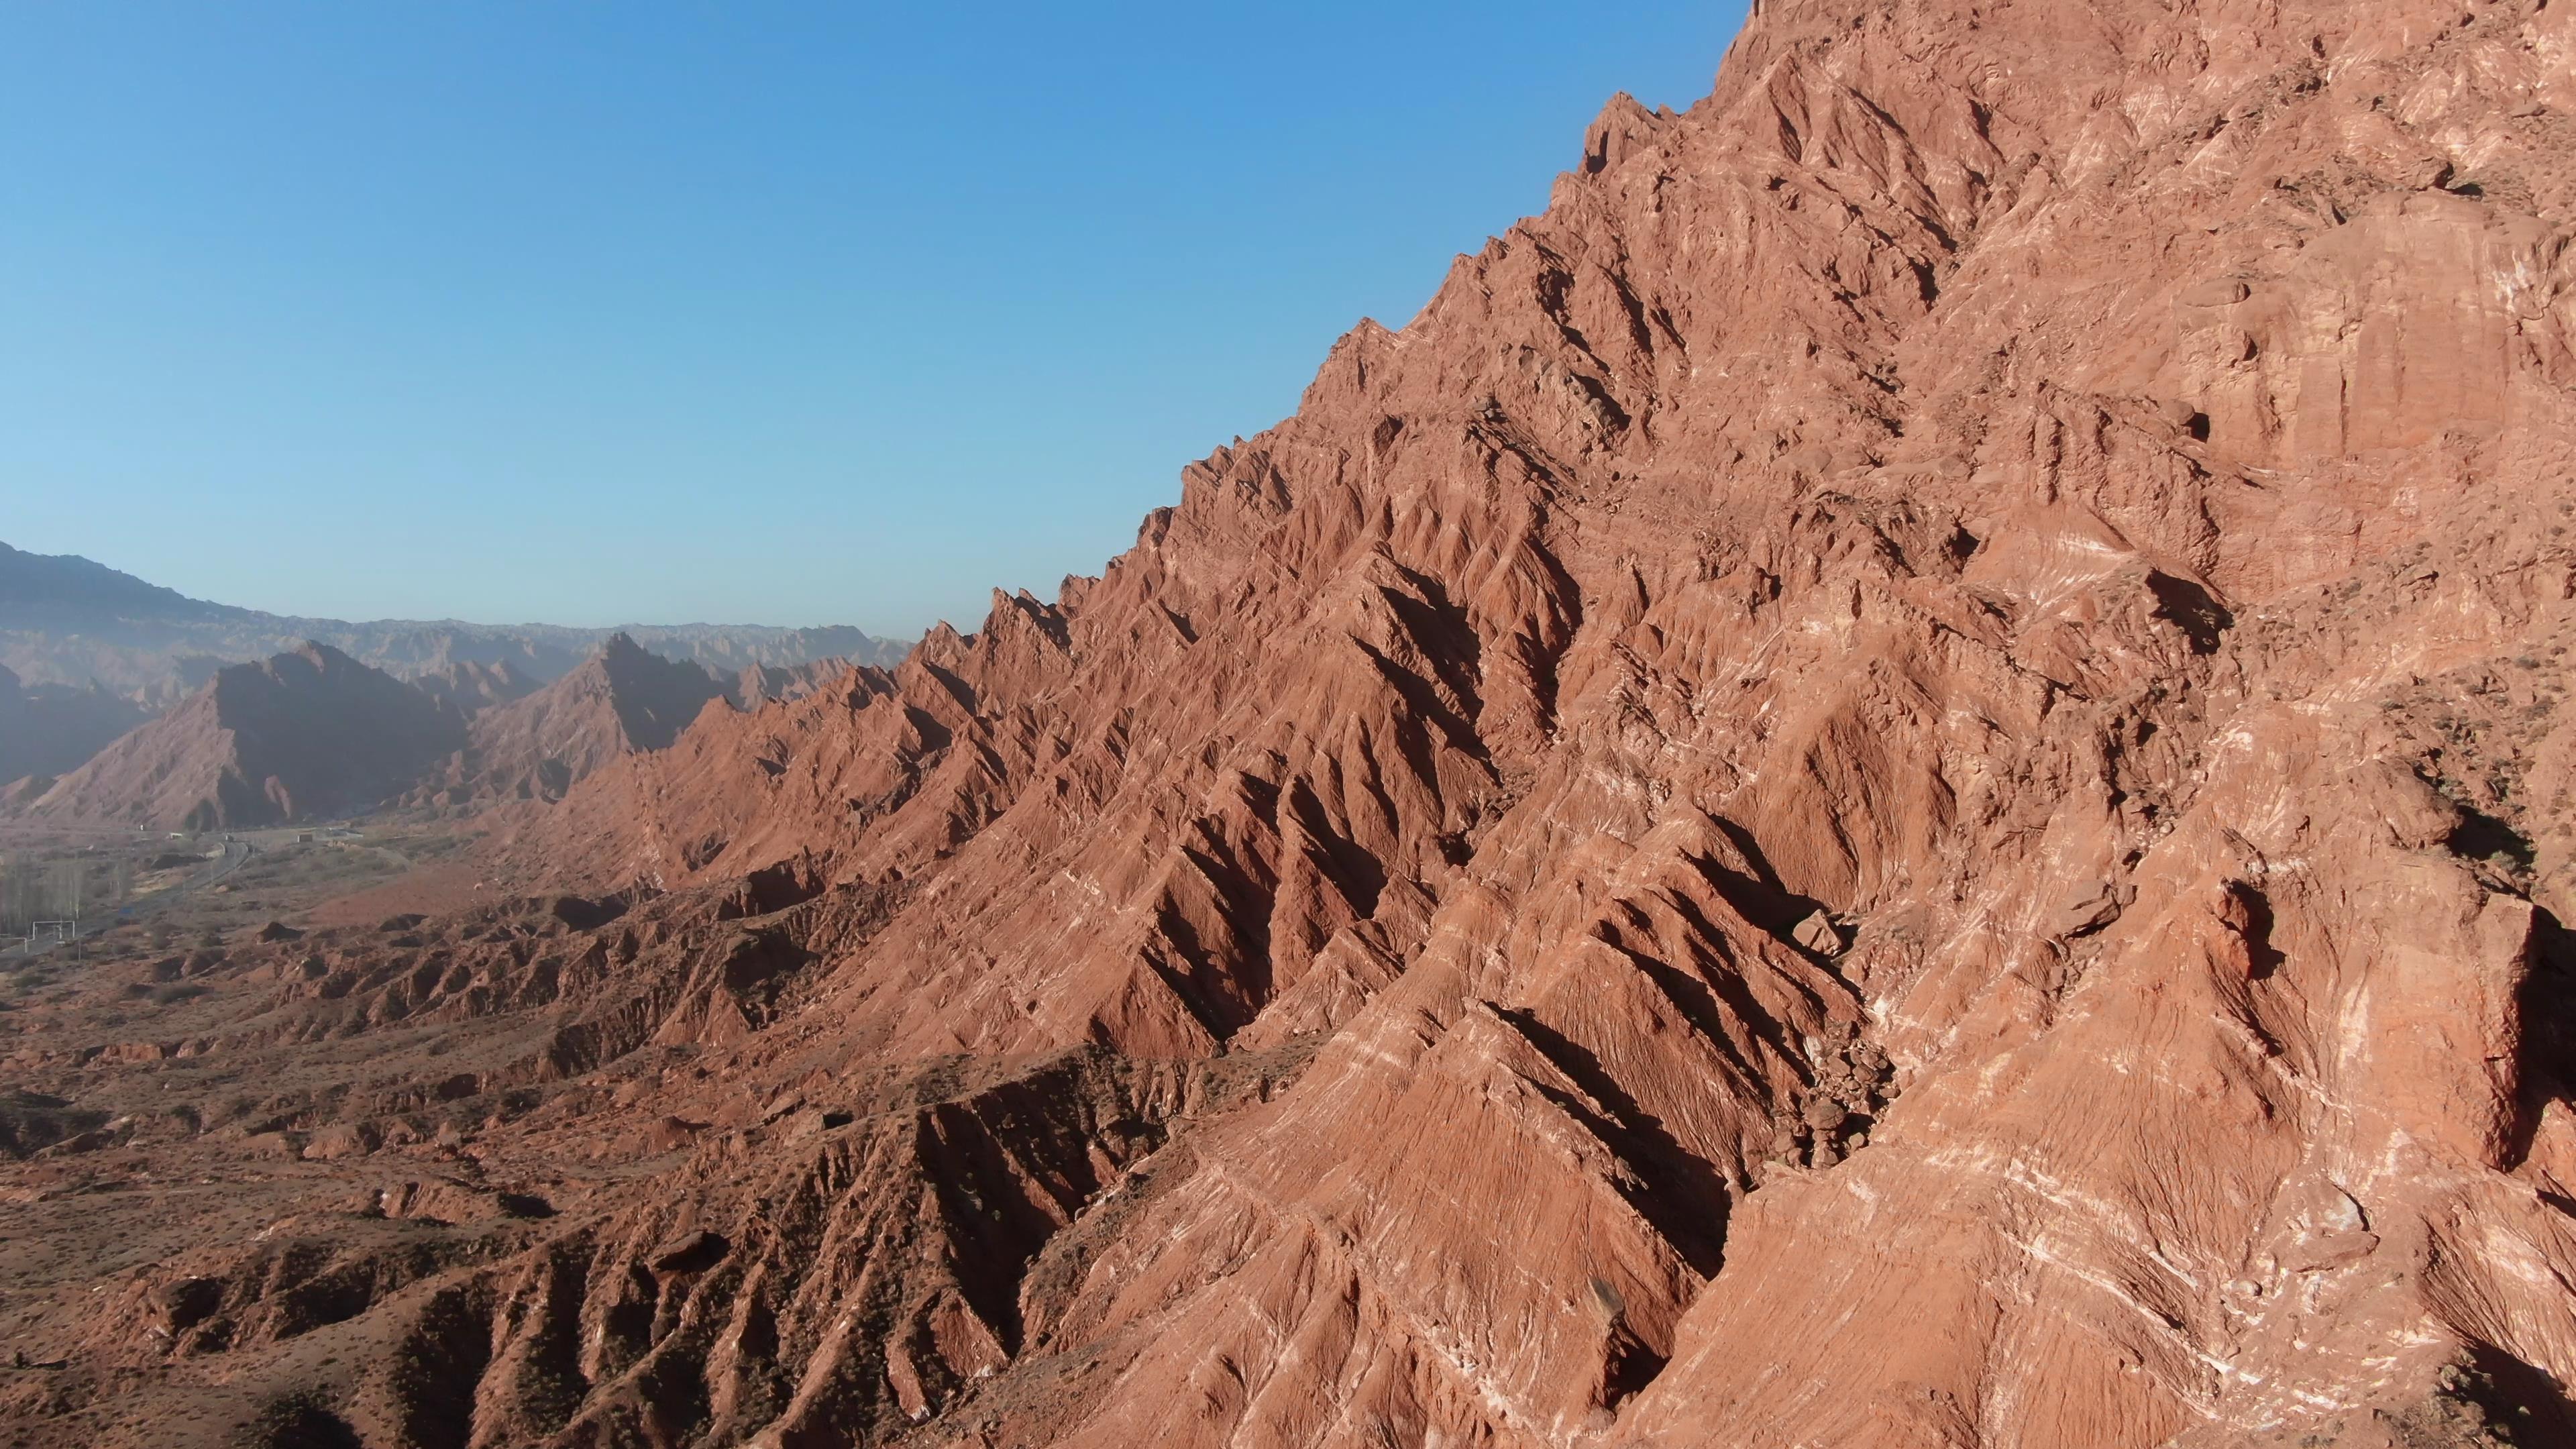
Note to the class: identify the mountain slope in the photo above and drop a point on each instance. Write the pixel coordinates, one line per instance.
(759, 684)
(51, 728)
(1869, 623)
(61, 587)
(474, 687)
(303, 736)
(624, 699)
(314, 733)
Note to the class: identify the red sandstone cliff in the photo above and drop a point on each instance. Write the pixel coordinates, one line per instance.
(2073, 495)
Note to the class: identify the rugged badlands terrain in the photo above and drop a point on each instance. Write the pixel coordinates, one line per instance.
(1898, 781)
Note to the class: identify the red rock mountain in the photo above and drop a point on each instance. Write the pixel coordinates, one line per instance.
(303, 736)
(1897, 781)
(622, 700)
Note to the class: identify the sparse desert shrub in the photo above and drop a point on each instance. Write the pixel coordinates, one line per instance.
(301, 1420)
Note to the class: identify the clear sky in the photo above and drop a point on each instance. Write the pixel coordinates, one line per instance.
(597, 311)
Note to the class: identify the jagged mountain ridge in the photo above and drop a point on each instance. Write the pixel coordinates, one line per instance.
(314, 734)
(307, 735)
(623, 700)
(1789, 521)
(1894, 782)
(70, 588)
(473, 688)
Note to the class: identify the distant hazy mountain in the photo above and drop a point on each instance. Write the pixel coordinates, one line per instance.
(49, 728)
(66, 620)
(473, 688)
(40, 590)
(307, 734)
(621, 700)
(313, 733)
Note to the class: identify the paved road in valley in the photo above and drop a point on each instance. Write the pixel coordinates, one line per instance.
(237, 853)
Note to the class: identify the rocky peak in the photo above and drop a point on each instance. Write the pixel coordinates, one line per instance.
(305, 734)
(620, 652)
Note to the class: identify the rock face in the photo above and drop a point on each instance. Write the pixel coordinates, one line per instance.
(1895, 782)
(304, 736)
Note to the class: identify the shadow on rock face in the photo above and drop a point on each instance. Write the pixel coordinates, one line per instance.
(2483, 837)
(2493, 1398)
(2187, 605)
(301, 1421)
(2548, 1047)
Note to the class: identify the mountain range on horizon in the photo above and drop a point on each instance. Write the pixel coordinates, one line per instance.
(67, 620)
(312, 733)
(89, 654)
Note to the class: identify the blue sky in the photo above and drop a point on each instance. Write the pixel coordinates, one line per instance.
(594, 312)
